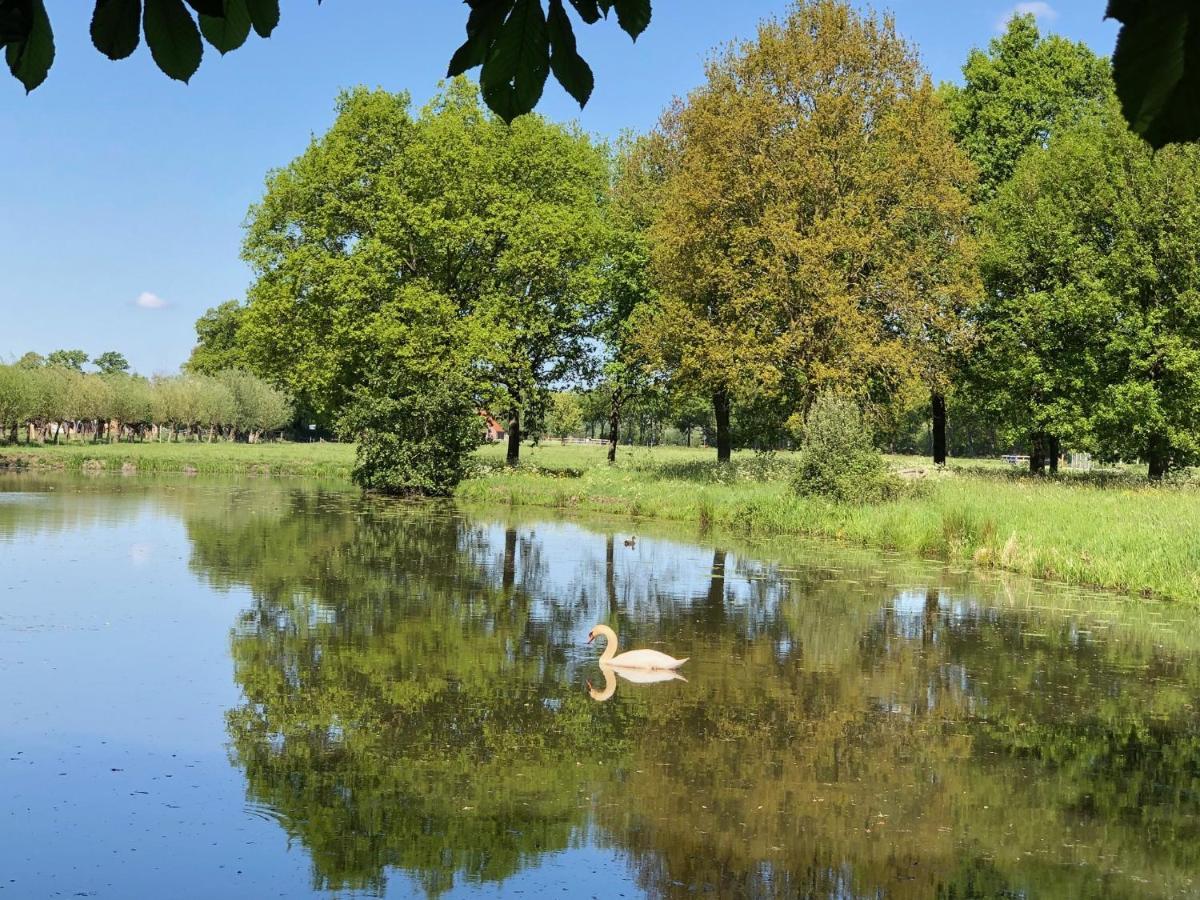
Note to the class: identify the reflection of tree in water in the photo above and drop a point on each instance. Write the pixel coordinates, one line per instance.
(412, 702)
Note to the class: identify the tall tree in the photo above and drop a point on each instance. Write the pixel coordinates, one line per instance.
(1018, 93)
(812, 229)
(217, 347)
(501, 223)
(68, 359)
(1090, 332)
(111, 363)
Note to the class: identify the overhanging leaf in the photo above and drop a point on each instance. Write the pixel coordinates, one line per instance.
(16, 20)
(515, 71)
(264, 16)
(588, 10)
(30, 60)
(231, 30)
(1156, 66)
(633, 16)
(571, 69)
(117, 27)
(214, 8)
(482, 26)
(173, 38)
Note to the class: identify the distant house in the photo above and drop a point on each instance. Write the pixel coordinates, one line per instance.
(495, 431)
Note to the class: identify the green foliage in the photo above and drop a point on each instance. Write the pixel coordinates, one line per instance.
(217, 347)
(414, 437)
(837, 460)
(68, 359)
(448, 217)
(114, 403)
(111, 363)
(1090, 329)
(812, 229)
(1019, 94)
(564, 418)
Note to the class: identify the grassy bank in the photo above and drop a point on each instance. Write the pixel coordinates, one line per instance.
(318, 460)
(1114, 534)
(1111, 531)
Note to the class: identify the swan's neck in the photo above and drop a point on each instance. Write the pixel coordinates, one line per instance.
(610, 647)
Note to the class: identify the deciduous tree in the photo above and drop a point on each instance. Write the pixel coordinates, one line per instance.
(812, 229)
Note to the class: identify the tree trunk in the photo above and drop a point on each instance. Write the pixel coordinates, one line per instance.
(938, 401)
(1158, 456)
(1055, 451)
(724, 439)
(514, 440)
(1037, 453)
(614, 427)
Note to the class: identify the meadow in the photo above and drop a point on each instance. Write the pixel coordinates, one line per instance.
(1107, 529)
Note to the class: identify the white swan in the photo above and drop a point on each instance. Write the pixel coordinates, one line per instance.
(631, 659)
(637, 676)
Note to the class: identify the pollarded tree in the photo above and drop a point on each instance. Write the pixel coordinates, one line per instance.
(812, 230)
(503, 223)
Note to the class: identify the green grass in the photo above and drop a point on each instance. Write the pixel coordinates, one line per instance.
(1107, 530)
(317, 460)
(1113, 532)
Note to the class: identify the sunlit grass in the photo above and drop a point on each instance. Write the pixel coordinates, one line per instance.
(324, 460)
(1113, 532)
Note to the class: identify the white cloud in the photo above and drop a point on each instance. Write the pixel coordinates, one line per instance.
(1040, 10)
(147, 300)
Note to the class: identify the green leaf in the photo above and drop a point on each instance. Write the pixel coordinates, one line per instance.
(173, 38)
(633, 16)
(16, 20)
(264, 16)
(30, 60)
(214, 8)
(482, 24)
(117, 27)
(514, 73)
(1156, 66)
(571, 69)
(588, 10)
(230, 31)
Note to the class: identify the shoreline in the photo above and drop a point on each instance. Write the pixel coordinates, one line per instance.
(1123, 538)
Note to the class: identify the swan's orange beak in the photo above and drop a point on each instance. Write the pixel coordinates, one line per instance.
(591, 636)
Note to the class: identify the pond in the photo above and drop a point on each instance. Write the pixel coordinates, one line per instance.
(265, 688)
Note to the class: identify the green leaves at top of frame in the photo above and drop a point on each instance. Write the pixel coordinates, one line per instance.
(28, 41)
(1156, 66)
(518, 44)
(173, 28)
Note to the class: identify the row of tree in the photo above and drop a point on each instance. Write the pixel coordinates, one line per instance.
(56, 402)
(815, 218)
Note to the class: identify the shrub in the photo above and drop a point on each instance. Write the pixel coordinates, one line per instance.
(414, 438)
(837, 459)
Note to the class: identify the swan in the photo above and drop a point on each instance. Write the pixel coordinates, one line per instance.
(636, 676)
(631, 659)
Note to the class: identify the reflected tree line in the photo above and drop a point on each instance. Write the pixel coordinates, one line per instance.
(414, 700)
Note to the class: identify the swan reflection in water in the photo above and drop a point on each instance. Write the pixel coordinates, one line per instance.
(637, 676)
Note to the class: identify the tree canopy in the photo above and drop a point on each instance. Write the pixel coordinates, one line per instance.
(812, 230)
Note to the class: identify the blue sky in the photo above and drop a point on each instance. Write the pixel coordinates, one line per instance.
(124, 192)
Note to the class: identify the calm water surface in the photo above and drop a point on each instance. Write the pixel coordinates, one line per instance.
(262, 689)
